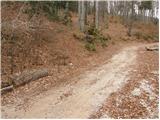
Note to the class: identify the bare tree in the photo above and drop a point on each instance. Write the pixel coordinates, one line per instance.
(86, 11)
(131, 19)
(81, 11)
(96, 15)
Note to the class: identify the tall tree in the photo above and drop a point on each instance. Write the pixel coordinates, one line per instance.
(81, 11)
(131, 18)
(86, 11)
(96, 14)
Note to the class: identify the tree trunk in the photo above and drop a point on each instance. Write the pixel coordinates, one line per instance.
(94, 13)
(131, 19)
(81, 11)
(83, 16)
(67, 8)
(86, 11)
(106, 13)
(28, 75)
(97, 15)
(79, 14)
(23, 78)
(6, 89)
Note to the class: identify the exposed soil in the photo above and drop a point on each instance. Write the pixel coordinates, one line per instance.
(85, 94)
(117, 81)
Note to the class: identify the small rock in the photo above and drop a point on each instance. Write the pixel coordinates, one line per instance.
(70, 64)
(136, 92)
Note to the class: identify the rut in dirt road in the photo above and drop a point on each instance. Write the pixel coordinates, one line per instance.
(81, 99)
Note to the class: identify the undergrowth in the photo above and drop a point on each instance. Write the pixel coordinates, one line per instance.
(93, 37)
(140, 35)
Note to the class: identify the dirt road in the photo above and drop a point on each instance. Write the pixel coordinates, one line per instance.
(81, 98)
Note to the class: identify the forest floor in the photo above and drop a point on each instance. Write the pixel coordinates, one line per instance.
(124, 86)
(116, 81)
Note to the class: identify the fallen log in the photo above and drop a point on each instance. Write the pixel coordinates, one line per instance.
(6, 89)
(27, 76)
(152, 48)
(23, 78)
(5, 84)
